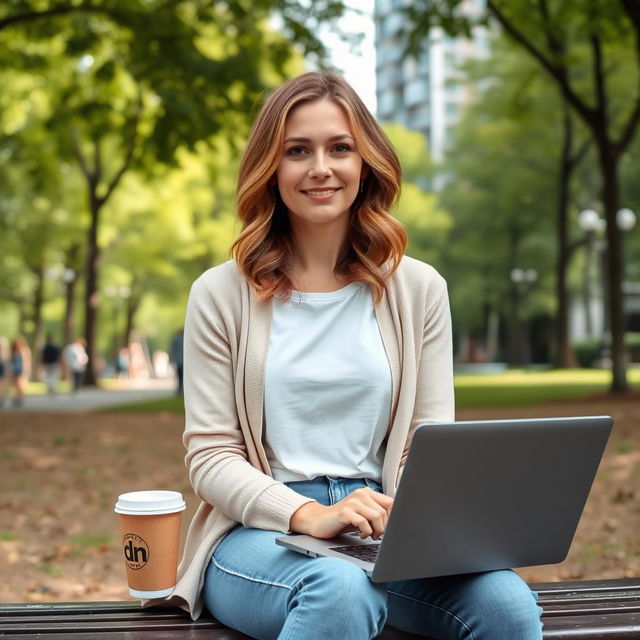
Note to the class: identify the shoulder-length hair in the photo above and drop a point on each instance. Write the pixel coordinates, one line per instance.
(263, 251)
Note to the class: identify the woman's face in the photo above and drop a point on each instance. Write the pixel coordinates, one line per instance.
(320, 168)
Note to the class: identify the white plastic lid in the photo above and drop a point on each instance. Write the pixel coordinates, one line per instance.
(143, 503)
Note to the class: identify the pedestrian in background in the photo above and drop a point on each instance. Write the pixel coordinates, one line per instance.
(177, 358)
(76, 359)
(122, 363)
(51, 363)
(4, 368)
(20, 368)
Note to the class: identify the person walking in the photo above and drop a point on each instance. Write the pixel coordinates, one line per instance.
(5, 352)
(310, 359)
(76, 359)
(50, 358)
(20, 363)
(122, 363)
(176, 356)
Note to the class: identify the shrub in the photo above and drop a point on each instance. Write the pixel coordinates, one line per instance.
(587, 351)
(632, 343)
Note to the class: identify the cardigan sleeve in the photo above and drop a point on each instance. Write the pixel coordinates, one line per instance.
(434, 388)
(217, 458)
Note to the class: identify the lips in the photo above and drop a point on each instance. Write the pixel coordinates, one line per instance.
(328, 191)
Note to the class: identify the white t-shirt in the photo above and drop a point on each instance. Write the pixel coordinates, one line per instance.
(75, 357)
(327, 387)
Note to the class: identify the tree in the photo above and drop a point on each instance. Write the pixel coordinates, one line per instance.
(35, 203)
(501, 217)
(143, 79)
(418, 209)
(556, 35)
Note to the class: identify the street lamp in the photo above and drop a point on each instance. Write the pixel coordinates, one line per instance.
(116, 294)
(523, 280)
(68, 275)
(625, 219)
(591, 223)
(524, 277)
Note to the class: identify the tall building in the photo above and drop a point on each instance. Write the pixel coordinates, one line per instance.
(422, 93)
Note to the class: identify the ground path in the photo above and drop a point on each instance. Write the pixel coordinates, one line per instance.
(61, 472)
(93, 398)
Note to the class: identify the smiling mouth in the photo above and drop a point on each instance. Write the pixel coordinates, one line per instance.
(320, 193)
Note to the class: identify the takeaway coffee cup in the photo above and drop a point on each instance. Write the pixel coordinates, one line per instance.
(150, 535)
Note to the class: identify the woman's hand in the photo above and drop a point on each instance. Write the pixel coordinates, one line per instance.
(363, 510)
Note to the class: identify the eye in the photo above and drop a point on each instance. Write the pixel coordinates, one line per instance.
(342, 147)
(295, 151)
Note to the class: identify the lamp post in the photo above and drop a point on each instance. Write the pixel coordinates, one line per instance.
(116, 295)
(523, 281)
(69, 277)
(593, 225)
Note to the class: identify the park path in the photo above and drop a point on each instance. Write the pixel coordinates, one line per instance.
(93, 398)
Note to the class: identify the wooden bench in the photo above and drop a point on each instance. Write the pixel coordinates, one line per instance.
(585, 610)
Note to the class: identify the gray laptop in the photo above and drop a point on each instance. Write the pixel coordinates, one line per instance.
(479, 496)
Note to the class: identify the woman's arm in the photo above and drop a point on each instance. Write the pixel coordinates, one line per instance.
(217, 459)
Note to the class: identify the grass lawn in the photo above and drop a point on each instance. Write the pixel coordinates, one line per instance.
(518, 387)
(172, 404)
(508, 389)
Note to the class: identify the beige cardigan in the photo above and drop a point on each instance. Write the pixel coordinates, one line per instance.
(226, 337)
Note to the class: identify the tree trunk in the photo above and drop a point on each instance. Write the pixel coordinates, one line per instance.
(91, 292)
(608, 160)
(38, 334)
(69, 331)
(563, 356)
(69, 312)
(131, 306)
(514, 351)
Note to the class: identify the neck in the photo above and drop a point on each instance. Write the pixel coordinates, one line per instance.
(317, 251)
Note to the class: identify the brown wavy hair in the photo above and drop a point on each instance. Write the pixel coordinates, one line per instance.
(264, 249)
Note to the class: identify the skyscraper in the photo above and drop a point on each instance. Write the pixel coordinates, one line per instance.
(422, 93)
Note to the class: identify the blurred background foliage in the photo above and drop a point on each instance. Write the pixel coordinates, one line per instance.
(121, 126)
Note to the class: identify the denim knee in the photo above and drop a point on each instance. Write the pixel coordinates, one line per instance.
(343, 594)
(510, 607)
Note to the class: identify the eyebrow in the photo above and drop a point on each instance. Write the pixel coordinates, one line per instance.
(331, 139)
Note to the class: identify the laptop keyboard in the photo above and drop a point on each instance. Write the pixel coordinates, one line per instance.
(366, 552)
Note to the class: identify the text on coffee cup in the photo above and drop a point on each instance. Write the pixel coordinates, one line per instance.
(136, 551)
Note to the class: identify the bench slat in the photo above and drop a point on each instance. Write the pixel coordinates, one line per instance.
(603, 608)
(584, 586)
(607, 627)
(585, 610)
(178, 617)
(167, 634)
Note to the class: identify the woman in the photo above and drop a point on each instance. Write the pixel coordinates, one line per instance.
(20, 368)
(309, 361)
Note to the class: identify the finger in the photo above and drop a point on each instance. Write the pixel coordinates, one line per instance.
(375, 500)
(361, 523)
(386, 502)
(381, 498)
(375, 516)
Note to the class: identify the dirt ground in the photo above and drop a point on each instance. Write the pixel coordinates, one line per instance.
(61, 474)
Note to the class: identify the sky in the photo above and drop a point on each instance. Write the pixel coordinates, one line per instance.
(359, 70)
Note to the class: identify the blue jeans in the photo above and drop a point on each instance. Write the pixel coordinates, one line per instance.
(266, 591)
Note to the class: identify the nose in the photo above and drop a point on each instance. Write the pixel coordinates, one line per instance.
(319, 167)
